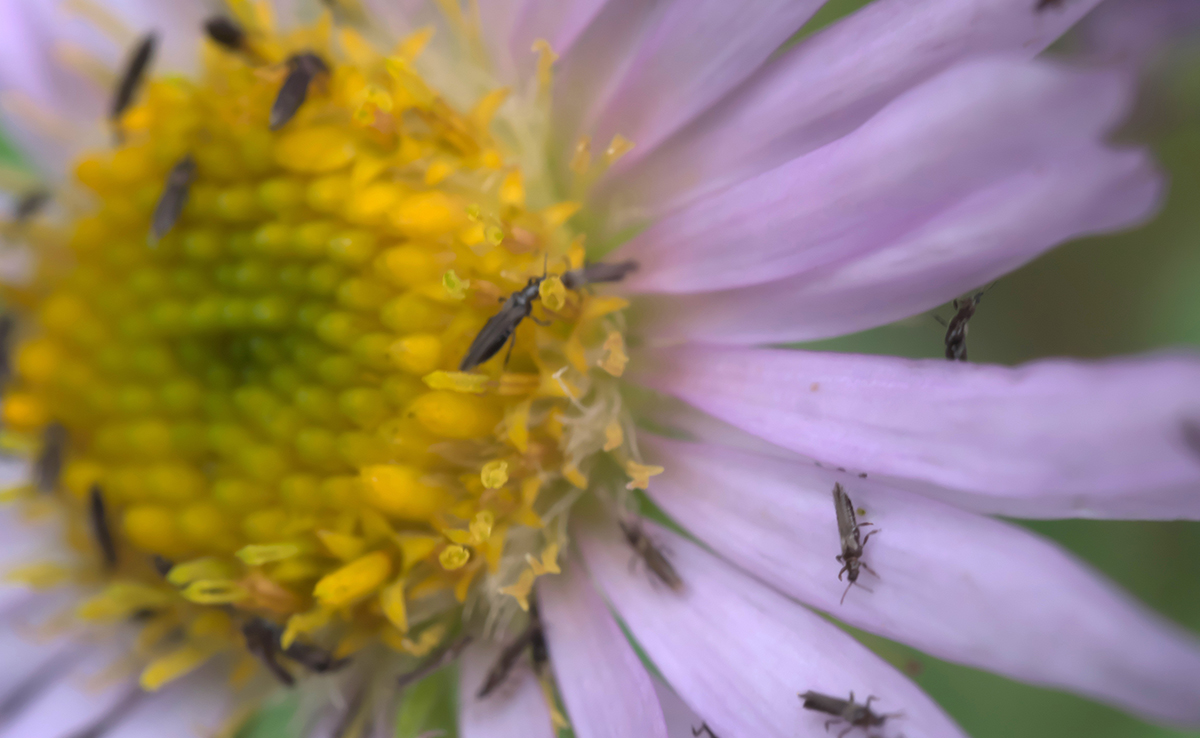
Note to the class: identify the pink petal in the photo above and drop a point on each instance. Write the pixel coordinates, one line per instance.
(975, 241)
(515, 710)
(200, 704)
(560, 22)
(605, 688)
(957, 134)
(830, 84)
(1052, 438)
(1136, 31)
(738, 652)
(681, 719)
(959, 586)
(27, 655)
(81, 696)
(695, 52)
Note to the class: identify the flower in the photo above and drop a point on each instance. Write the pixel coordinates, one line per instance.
(295, 448)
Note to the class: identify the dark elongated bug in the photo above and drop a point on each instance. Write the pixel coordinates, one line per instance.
(1191, 436)
(956, 329)
(162, 565)
(1041, 5)
(30, 204)
(597, 273)
(262, 640)
(852, 547)
(704, 729)
(174, 197)
(303, 69)
(8, 326)
(225, 32)
(98, 515)
(47, 468)
(845, 711)
(501, 327)
(135, 71)
(532, 638)
(442, 657)
(656, 561)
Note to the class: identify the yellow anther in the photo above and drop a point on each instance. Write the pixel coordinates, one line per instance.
(346, 548)
(454, 415)
(182, 661)
(396, 490)
(454, 557)
(618, 147)
(354, 580)
(520, 589)
(494, 474)
(548, 563)
(483, 112)
(455, 286)
(457, 382)
(415, 547)
(598, 307)
(614, 436)
(315, 150)
(391, 599)
(640, 474)
(303, 623)
(438, 171)
(417, 354)
(429, 639)
(615, 358)
(573, 475)
(481, 526)
(184, 574)
(512, 189)
(411, 46)
(553, 293)
(39, 576)
(556, 215)
(265, 553)
(214, 592)
(427, 214)
(516, 424)
(581, 160)
(121, 599)
(545, 64)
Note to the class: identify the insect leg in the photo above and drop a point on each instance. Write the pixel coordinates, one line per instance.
(864, 565)
(512, 341)
(867, 537)
(848, 586)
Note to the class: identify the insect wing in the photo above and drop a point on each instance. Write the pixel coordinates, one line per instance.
(492, 337)
(847, 523)
(174, 197)
(824, 703)
(133, 75)
(262, 640)
(225, 32)
(99, 517)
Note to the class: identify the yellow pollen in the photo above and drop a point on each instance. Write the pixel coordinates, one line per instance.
(269, 396)
(640, 474)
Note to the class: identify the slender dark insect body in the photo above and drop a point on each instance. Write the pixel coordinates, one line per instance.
(132, 78)
(597, 273)
(439, 658)
(48, 466)
(225, 32)
(532, 638)
(30, 204)
(704, 729)
(8, 326)
(303, 69)
(262, 640)
(162, 566)
(852, 546)
(1191, 436)
(98, 514)
(656, 561)
(501, 327)
(845, 711)
(1041, 5)
(956, 329)
(174, 197)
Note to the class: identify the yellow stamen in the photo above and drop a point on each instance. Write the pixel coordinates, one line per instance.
(640, 474)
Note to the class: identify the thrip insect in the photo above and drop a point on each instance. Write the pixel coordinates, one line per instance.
(852, 547)
(956, 329)
(8, 326)
(29, 205)
(303, 69)
(98, 513)
(132, 78)
(656, 561)
(533, 638)
(225, 32)
(501, 327)
(174, 197)
(48, 466)
(264, 640)
(845, 711)
(442, 657)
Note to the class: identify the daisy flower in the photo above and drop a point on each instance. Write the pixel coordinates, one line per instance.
(353, 341)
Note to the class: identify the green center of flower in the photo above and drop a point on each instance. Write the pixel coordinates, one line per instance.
(263, 406)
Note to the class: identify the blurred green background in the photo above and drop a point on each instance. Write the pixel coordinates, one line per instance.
(1130, 292)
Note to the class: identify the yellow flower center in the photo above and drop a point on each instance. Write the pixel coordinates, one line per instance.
(264, 406)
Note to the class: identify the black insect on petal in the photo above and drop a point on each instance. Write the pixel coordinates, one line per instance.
(652, 555)
(532, 638)
(850, 537)
(98, 514)
(262, 640)
(47, 468)
(131, 80)
(303, 69)
(30, 204)
(225, 32)
(174, 197)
